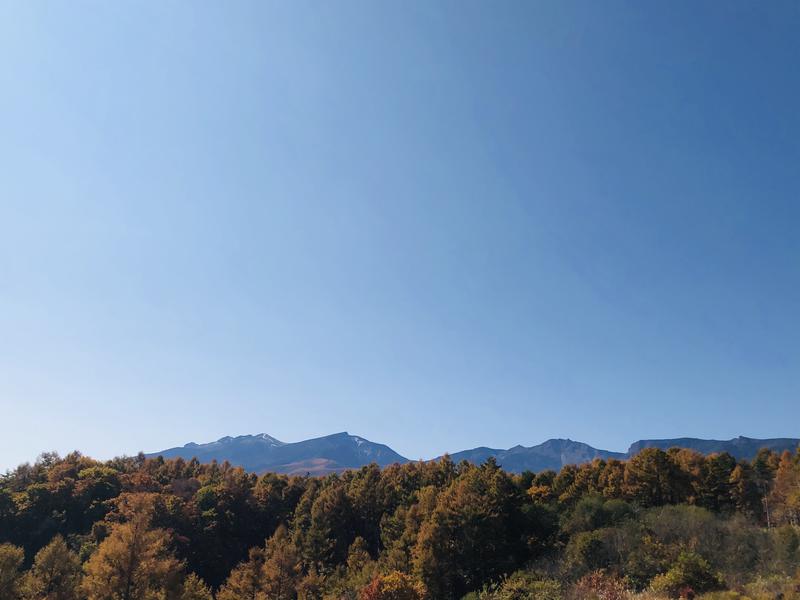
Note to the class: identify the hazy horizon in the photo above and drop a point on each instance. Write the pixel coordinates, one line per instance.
(433, 225)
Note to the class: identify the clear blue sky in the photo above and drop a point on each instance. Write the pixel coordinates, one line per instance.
(436, 225)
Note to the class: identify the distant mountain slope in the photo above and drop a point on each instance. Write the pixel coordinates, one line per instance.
(740, 447)
(556, 453)
(238, 450)
(552, 454)
(341, 451)
(262, 453)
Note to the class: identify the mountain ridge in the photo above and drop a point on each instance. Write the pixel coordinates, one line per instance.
(738, 447)
(262, 453)
(342, 451)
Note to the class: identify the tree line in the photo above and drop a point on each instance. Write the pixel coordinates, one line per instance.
(659, 525)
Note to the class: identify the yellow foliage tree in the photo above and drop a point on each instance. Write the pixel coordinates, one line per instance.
(786, 491)
(195, 589)
(55, 574)
(11, 558)
(394, 586)
(134, 562)
(282, 567)
(246, 581)
(270, 573)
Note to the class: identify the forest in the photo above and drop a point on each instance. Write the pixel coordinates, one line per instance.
(674, 524)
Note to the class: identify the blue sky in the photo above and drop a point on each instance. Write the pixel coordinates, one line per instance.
(433, 224)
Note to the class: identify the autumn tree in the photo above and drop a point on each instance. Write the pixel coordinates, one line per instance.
(715, 489)
(227, 522)
(311, 587)
(785, 497)
(330, 530)
(55, 574)
(764, 466)
(195, 589)
(652, 478)
(744, 490)
(394, 586)
(281, 569)
(11, 559)
(246, 581)
(270, 573)
(134, 562)
(475, 533)
(399, 532)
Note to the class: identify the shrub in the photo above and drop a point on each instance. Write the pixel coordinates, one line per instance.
(691, 574)
(599, 586)
(523, 586)
(773, 586)
(587, 552)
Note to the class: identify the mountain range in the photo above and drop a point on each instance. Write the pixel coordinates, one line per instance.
(261, 453)
(341, 451)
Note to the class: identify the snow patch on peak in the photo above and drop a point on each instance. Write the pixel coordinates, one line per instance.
(268, 438)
